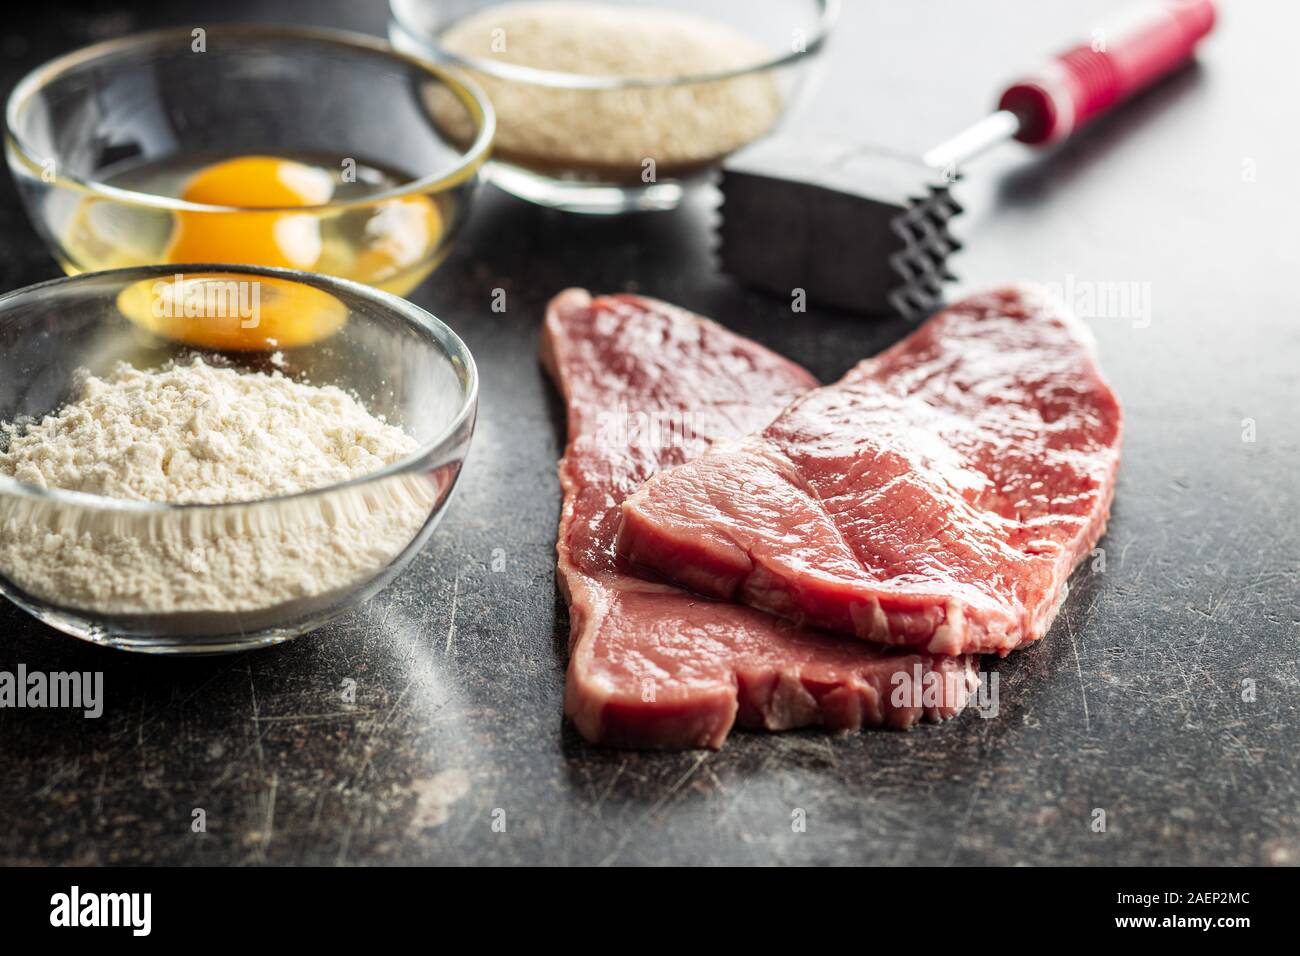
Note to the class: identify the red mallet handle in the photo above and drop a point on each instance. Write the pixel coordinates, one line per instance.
(1092, 78)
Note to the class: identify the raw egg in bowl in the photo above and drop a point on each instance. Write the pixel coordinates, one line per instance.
(281, 147)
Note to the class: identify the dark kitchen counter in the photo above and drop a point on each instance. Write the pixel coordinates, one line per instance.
(1134, 703)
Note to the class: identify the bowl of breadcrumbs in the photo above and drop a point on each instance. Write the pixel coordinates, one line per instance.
(607, 107)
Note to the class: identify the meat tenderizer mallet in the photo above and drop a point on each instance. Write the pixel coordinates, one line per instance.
(864, 230)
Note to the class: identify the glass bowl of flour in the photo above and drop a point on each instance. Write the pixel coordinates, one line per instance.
(219, 458)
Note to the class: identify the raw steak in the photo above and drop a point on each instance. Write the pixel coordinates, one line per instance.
(937, 497)
(649, 385)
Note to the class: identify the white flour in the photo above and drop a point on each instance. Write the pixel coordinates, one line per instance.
(199, 434)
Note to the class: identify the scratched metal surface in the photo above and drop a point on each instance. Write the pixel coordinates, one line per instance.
(1133, 704)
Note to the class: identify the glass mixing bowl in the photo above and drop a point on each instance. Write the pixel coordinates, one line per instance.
(595, 142)
(105, 141)
(400, 362)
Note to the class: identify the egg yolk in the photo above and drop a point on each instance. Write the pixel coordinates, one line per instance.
(396, 246)
(400, 234)
(288, 240)
(233, 311)
(219, 311)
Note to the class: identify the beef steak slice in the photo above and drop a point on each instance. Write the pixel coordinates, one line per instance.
(648, 385)
(937, 497)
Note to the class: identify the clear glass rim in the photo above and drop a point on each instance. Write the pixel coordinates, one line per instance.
(417, 461)
(828, 12)
(466, 91)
